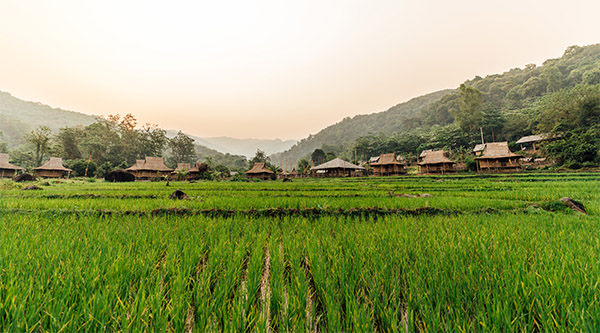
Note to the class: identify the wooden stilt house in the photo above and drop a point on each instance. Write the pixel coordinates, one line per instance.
(436, 162)
(52, 169)
(259, 171)
(153, 167)
(134, 169)
(388, 165)
(7, 169)
(337, 168)
(497, 157)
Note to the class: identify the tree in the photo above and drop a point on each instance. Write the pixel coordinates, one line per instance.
(303, 166)
(318, 156)
(182, 149)
(67, 140)
(40, 139)
(259, 157)
(469, 114)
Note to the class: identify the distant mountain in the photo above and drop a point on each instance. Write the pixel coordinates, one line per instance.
(395, 119)
(248, 147)
(18, 117)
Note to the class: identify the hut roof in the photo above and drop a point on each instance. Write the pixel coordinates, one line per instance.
(537, 137)
(259, 168)
(386, 159)
(337, 164)
(138, 164)
(293, 172)
(181, 166)
(54, 164)
(479, 147)
(5, 165)
(154, 164)
(434, 157)
(496, 150)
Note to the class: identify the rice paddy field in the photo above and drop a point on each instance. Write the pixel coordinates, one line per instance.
(414, 253)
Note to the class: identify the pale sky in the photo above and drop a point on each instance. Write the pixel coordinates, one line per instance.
(269, 69)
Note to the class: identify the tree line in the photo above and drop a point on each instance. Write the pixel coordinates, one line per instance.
(116, 142)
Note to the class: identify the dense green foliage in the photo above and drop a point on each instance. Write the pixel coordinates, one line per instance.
(480, 253)
(506, 106)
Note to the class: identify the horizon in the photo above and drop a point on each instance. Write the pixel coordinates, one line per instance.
(270, 70)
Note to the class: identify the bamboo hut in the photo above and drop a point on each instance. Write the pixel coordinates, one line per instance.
(436, 162)
(532, 140)
(52, 169)
(153, 167)
(259, 171)
(337, 168)
(497, 157)
(7, 169)
(294, 173)
(387, 165)
(191, 173)
(134, 169)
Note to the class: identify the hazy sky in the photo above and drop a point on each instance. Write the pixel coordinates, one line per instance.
(269, 69)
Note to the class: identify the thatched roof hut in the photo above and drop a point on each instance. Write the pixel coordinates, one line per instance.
(337, 168)
(497, 157)
(7, 169)
(525, 141)
(387, 165)
(259, 171)
(190, 172)
(151, 167)
(436, 161)
(52, 169)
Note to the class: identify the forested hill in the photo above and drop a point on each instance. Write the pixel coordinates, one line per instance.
(18, 117)
(395, 119)
(511, 104)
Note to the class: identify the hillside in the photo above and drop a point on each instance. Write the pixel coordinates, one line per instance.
(349, 129)
(511, 107)
(18, 117)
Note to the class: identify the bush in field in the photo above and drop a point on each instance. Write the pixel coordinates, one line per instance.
(79, 168)
(103, 170)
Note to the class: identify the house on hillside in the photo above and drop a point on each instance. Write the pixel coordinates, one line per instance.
(152, 167)
(436, 162)
(7, 169)
(52, 169)
(260, 171)
(497, 157)
(337, 168)
(531, 143)
(387, 165)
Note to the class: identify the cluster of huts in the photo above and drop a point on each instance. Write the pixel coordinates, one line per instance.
(490, 157)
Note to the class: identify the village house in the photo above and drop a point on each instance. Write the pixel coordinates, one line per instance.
(435, 161)
(497, 157)
(7, 169)
(52, 169)
(337, 168)
(191, 173)
(387, 165)
(259, 171)
(135, 167)
(531, 143)
(151, 168)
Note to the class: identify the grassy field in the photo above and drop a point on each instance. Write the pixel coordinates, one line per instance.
(475, 253)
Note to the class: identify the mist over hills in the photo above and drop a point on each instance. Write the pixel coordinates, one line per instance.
(394, 119)
(18, 117)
